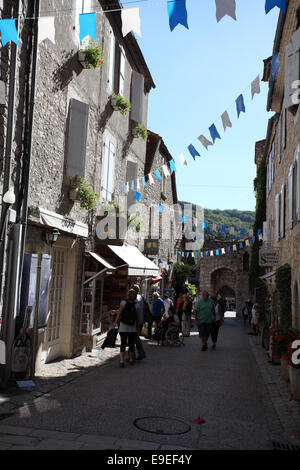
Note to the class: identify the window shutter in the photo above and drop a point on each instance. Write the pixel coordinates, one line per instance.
(108, 170)
(282, 211)
(277, 217)
(292, 67)
(77, 138)
(279, 138)
(283, 129)
(122, 71)
(111, 68)
(297, 182)
(291, 191)
(137, 96)
(131, 175)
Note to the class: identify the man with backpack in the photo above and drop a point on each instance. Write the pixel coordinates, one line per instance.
(129, 318)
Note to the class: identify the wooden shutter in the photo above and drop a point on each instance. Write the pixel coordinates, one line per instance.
(279, 138)
(283, 129)
(122, 72)
(111, 67)
(77, 138)
(137, 96)
(291, 192)
(282, 211)
(277, 234)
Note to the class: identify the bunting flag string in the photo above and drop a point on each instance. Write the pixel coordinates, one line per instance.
(87, 26)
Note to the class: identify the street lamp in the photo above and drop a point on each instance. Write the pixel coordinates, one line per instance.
(9, 197)
(51, 237)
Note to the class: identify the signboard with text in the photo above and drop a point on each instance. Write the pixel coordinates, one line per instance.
(269, 258)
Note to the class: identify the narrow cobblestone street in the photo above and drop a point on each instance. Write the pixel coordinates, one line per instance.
(242, 398)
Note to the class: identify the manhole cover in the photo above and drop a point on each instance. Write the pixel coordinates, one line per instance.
(161, 425)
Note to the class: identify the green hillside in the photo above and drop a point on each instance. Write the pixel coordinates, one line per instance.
(230, 218)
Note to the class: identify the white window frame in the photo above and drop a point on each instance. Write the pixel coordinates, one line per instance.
(122, 71)
(282, 211)
(111, 64)
(108, 166)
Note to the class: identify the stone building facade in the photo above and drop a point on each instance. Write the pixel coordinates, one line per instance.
(75, 132)
(225, 275)
(282, 149)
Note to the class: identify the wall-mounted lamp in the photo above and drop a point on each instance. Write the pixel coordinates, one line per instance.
(9, 197)
(50, 237)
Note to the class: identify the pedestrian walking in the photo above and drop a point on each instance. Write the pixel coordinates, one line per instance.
(219, 319)
(186, 315)
(205, 315)
(140, 302)
(255, 319)
(245, 313)
(128, 319)
(157, 311)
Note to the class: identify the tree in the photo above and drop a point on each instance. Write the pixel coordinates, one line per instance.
(181, 274)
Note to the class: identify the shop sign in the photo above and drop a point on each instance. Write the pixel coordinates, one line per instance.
(151, 247)
(269, 258)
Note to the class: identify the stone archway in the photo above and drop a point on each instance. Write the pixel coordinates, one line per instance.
(229, 294)
(223, 282)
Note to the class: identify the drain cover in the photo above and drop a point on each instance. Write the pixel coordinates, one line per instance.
(282, 446)
(162, 426)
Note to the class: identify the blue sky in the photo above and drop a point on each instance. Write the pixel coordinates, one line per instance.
(198, 74)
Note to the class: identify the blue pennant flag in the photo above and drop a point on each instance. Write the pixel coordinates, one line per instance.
(87, 26)
(258, 232)
(122, 188)
(223, 229)
(241, 245)
(143, 182)
(160, 208)
(177, 13)
(242, 232)
(206, 253)
(179, 252)
(193, 151)
(8, 31)
(275, 65)
(240, 105)
(158, 176)
(159, 261)
(228, 249)
(204, 224)
(253, 240)
(270, 4)
(214, 133)
(183, 219)
(187, 254)
(137, 196)
(172, 166)
(132, 185)
(197, 254)
(217, 252)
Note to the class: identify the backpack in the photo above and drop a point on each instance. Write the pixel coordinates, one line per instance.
(147, 311)
(188, 310)
(129, 315)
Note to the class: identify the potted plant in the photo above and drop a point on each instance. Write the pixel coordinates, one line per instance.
(139, 130)
(91, 57)
(86, 196)
(74, 188)
(136, 222)
(119, 103)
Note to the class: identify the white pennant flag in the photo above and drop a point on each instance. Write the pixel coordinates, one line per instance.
(214, 227)
(182, 159)
(131, 20)
(204, 141)
(255, 87)
(251, 232)
(225, 120)
(231, 230)
(193, 255)
(127, 187)
(234, 248)
(138, 186)
(247, 243)
(211, 253)
(223, 251)
(225, 7)
(195, 221)
(201, 254)
(165, 171)
(46, 29)
(151, 180)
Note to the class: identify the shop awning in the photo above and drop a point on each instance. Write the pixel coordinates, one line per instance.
(155, 280)
(268, 275)
(64, 224)
(138, 264)
(101, 260)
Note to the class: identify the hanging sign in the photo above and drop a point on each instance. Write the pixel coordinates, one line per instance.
(269, 258)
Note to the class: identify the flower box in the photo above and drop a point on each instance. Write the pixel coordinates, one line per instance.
(91, 57)
(114, 103)
(81, 59)
(74, 195)
(139, 130)
(294, 376)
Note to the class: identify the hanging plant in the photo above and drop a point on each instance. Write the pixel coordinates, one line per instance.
(135, 220)
(92, 56)
(119, 103)
(140, 131)
(86, 196)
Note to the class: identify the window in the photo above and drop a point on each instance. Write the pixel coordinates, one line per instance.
(82, 6)
(282, 212)
(277, 214)
(108, 168)
(291, 194)
(131, 177)
(122, 71)
(292, 68)
(77, 138)
(111, 67)
(137, 97)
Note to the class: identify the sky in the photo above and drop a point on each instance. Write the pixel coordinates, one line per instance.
(199, 73)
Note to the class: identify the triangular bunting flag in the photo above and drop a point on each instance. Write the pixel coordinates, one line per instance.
(46, 29)
(214, 227)
(143, 182)
(182, 159)
(240, 106)
(225, 7)
(231, 231)
(177, 13)
(234, 248)
(214, 133)
(225, 120)
(8, 31)
(137, 196)
(158, 175)
(223, 229)
(165, 171)
(251, 232)
(211, 253)
(275, 3)
(255, 87)
(204, 141)
(223, 251)
(138, 186)
(132, 185)
(151, 180)
(193, 151)
(172, 166)
(87, 26)
(131, 21)
(160, 208)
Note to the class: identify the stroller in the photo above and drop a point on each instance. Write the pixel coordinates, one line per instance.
(169, 335)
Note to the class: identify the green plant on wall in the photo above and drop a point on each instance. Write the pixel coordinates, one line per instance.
(93, 55)
(87, 197)
(141, 131)
(283, 284)
(120, 103)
